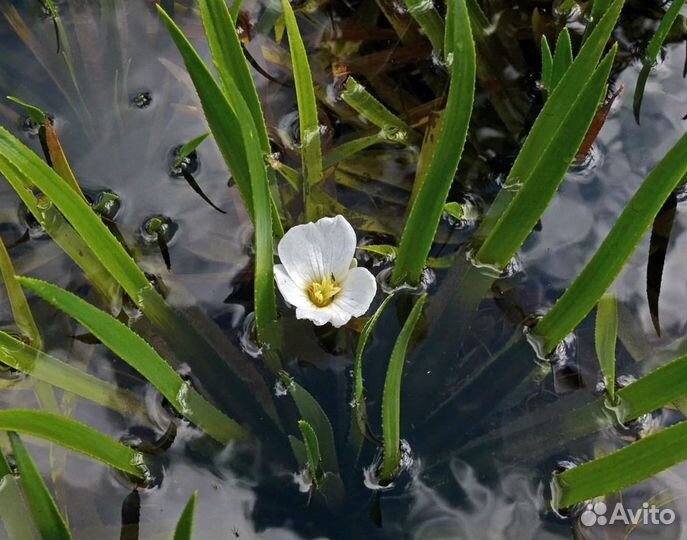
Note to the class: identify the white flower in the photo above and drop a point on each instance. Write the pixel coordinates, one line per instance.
(318, 274)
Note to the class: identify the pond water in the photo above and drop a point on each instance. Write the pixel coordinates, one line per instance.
(482, 451)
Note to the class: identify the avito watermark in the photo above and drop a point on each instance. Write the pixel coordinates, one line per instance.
(597, 514)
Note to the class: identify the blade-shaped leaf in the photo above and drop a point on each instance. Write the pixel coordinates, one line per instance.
(135, 351)
(311, 411)
(50, 522)
(235, 133)
(539, 145)
(43, 367)
(652, 51)
(606, 336)
(391, 402)
(579, 299)
(308, 119)
(425, 213)
(537, 190)
(658, 249)
(74, 436)
(184, 529)
(623, 468)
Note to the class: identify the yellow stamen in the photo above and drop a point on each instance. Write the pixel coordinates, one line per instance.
(323, 292)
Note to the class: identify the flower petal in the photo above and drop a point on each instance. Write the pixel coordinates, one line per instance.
(357, 292)
(312, 251)
(319, 316)
(292, 292)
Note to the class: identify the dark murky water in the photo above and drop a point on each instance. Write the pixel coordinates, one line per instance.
(480, 469)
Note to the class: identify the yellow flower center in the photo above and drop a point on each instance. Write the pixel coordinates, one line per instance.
(323, 292)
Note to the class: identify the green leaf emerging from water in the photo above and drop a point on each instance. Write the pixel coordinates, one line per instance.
(308, 120)
(74, 436)
(606, 335)
(136, 352)
(622, 468)
(50, 522)
(184, 529)
(652, 51)
(428, 204)
(391, 403)
(311, 411)
(615, 250)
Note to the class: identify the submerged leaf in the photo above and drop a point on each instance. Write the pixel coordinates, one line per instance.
(658, 249)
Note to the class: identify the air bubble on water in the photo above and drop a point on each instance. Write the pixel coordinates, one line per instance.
(280, 388)
(247, 339)
(427, 279)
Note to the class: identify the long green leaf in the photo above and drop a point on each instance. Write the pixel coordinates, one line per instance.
(427, 16)
(74, 436)
(58, 228)
(563, 58)
(309, 124)
(541, 182)
(50, 522)
(234, 72)
(391, 402)
(43, 367)
(311, 411)
(312, 451)
(427, 207)
(235, 133)
(91, 245)
(359, 386)
(96, 235)
(18, 304)
(606, 335)
(136, 352)
(14, 511)
(552, 118)
(546, 66)
(652, 51)
(365, 104)
(184, 529)
(615, 250)
(221, 117)
(653, 391)
(623, 468)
